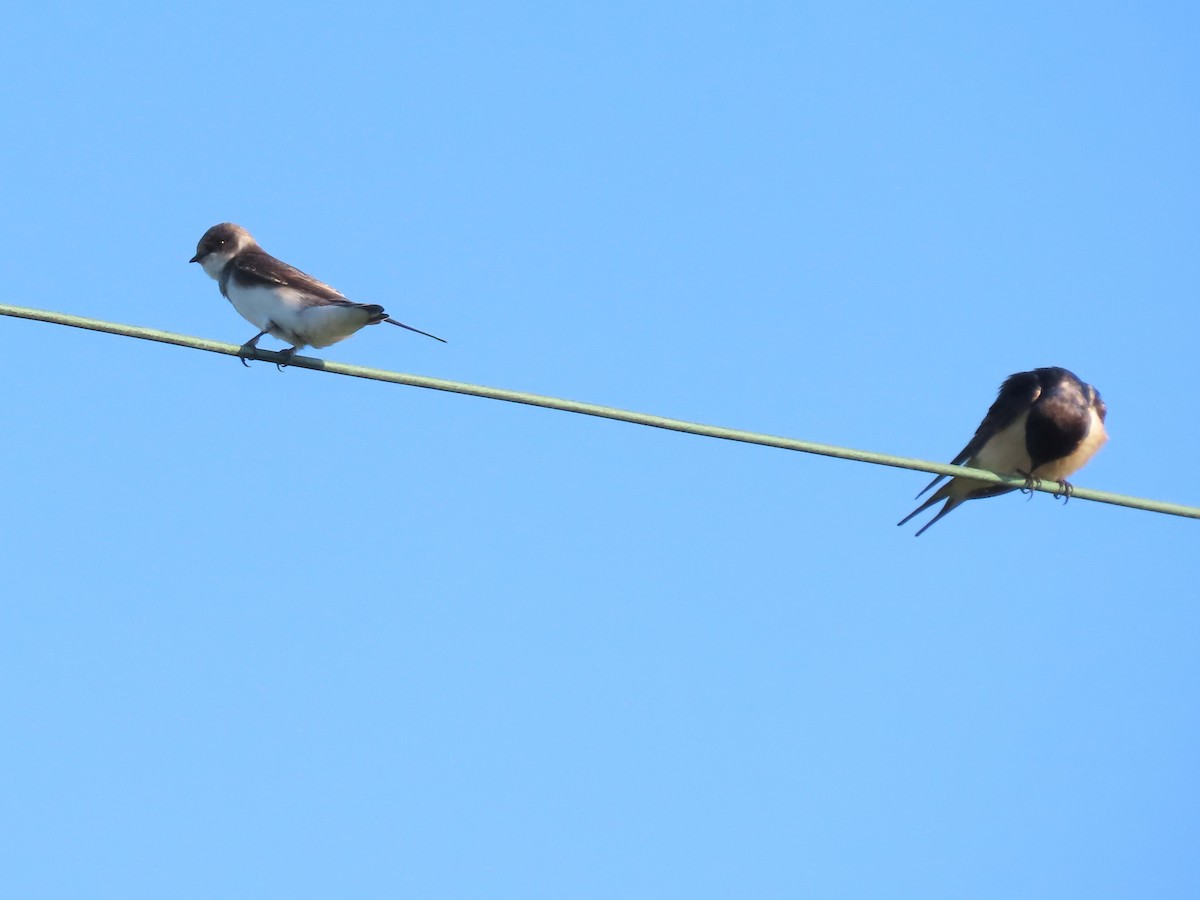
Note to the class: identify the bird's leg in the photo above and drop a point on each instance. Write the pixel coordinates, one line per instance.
(248, 348)
(287, 358)
(1031, 483)
(1065, 490)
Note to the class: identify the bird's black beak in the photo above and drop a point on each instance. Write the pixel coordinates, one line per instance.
(195, 258)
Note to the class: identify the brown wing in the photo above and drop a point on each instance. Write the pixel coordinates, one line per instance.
(257, 266)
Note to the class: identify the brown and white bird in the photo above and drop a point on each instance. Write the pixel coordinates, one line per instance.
(1045, 425)
(278, 299)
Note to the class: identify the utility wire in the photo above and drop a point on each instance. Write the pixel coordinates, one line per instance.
(592, 409)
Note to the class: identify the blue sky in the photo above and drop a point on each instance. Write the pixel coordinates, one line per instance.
(290, 634)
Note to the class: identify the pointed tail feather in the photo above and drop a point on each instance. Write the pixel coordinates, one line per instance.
(949, 507)
(956, 492)
(931, 484)
(920, 509)
(392, 321)
(951, 503)
(964, 456)
(951, 492)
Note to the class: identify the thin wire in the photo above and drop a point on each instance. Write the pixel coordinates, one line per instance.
(592, 409)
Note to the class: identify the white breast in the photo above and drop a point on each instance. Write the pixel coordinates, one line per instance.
(261, 305)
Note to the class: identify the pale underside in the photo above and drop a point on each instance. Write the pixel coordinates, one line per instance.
(289, 315)
(1005, 454)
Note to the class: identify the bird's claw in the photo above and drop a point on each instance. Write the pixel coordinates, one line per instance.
(1065, 490)
(287, 358)
(250, 349)
(1031, 483)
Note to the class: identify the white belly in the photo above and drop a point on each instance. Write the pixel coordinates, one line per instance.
(1005, 453)
(284, 313)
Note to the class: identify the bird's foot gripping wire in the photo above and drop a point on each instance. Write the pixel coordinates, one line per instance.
(1065, 490)
(249, 349)
(1031, 483)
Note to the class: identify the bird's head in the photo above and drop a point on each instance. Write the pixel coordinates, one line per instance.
(220, 244)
